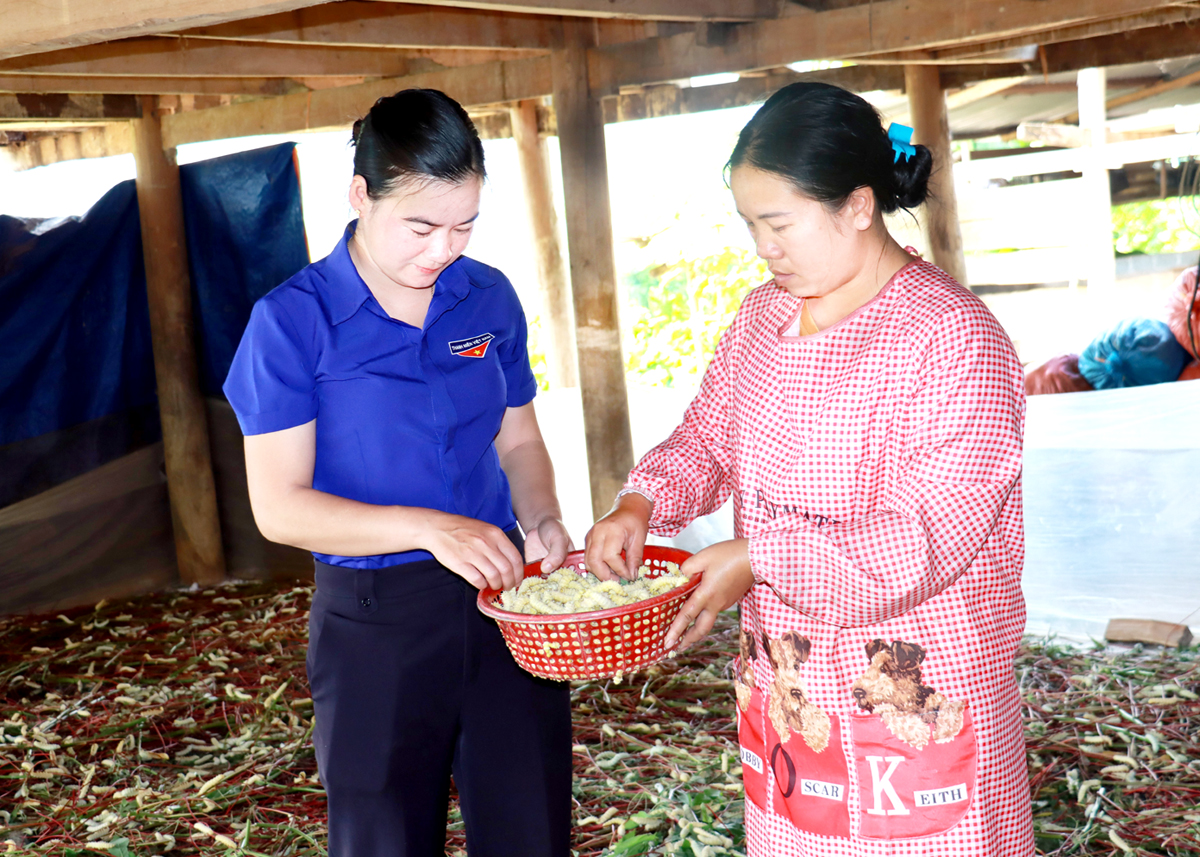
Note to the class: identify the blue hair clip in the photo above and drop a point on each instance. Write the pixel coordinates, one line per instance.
(901, 137)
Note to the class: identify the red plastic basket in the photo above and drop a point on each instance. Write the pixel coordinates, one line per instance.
(596, 644)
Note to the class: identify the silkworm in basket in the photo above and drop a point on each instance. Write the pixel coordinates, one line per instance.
(567, 591)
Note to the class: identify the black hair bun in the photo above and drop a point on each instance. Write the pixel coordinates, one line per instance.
(911, 176)
(415, 134)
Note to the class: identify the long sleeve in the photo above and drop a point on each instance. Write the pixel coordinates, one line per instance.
(960, 459)
(687, 475)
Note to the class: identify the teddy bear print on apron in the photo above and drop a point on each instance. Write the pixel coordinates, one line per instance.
(914, 750)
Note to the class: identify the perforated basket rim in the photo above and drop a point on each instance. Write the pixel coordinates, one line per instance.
(488, 597)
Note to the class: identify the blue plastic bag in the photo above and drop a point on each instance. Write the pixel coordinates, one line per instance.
(1136, 352)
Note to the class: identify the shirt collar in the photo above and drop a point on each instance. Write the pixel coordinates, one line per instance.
(349, 292)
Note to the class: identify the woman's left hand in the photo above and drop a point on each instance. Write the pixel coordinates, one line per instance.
(727, 577)
(549, 542)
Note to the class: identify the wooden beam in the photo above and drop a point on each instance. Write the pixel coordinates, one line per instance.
(497, 84)
(170, 57)
(558, 340)
(1051, 134)
(1078, 32)
(1146, 45)
(869, 29)
(980, 91)
(1155, 89)
(395, 25)
(31, 28)
(931, 128)
(100, 141)
(65, 107)
(1143, 93)
(48, 83)
(1096, 213)
(593, 271)
(653, 10)
(670, 100)
(190, 484)
(491, 83)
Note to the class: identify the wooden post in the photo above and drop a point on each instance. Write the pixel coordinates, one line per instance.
(552, 273)
(1099, 263)
(931, 128)
(593, 271)
(190, 485)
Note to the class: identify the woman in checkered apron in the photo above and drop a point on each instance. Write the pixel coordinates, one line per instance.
(865, 412)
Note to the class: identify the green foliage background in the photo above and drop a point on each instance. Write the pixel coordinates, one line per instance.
(678, 311)
(1156, 226)
(673, 313)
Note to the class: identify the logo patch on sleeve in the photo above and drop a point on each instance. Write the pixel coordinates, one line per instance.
(476, 346)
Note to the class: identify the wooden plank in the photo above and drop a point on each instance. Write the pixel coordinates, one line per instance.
(1096, 211)
(171, 56)
(397, 25)
(149, 85)
(1151, 631)
(1037, 162)
(31, 28)
(62, 106)
(517, 79)
(1146, 45)
(593, 271)
(654, 10)
(1091, 29)
(670, 100)
(552, 272)
(931, 128)
(1155, 89)
(980, 91)
(490, 83)
(190, 484)
(874, 28)
(1051, 134)
(100, 141)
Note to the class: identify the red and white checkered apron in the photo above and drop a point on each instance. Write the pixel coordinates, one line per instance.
(875, 468)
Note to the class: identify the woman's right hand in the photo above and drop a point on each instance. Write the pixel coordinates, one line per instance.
(479, 553)
(623, 529)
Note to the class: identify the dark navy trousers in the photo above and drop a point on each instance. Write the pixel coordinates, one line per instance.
(410, 683)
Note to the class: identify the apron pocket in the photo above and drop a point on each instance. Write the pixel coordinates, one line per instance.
(753, 750)
(914, 786)
(810, 787)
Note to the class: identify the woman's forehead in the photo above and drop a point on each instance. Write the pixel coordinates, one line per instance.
(761, 194)
(434, 195)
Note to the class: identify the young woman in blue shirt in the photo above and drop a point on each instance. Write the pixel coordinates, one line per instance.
(386, 398)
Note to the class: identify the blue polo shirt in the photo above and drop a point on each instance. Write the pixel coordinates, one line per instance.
(405, 416)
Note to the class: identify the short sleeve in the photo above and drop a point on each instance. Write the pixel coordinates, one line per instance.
(271, 383)
(514, 360)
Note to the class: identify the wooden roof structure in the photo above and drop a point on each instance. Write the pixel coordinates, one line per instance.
(80, 78)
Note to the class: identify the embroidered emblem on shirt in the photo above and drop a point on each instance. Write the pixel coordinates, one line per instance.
(476, 346)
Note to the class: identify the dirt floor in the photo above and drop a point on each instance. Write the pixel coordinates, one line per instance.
(180, 724)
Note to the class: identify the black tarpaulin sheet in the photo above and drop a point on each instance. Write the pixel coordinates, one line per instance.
(78, 406)
(245, 235)
(74, 327)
